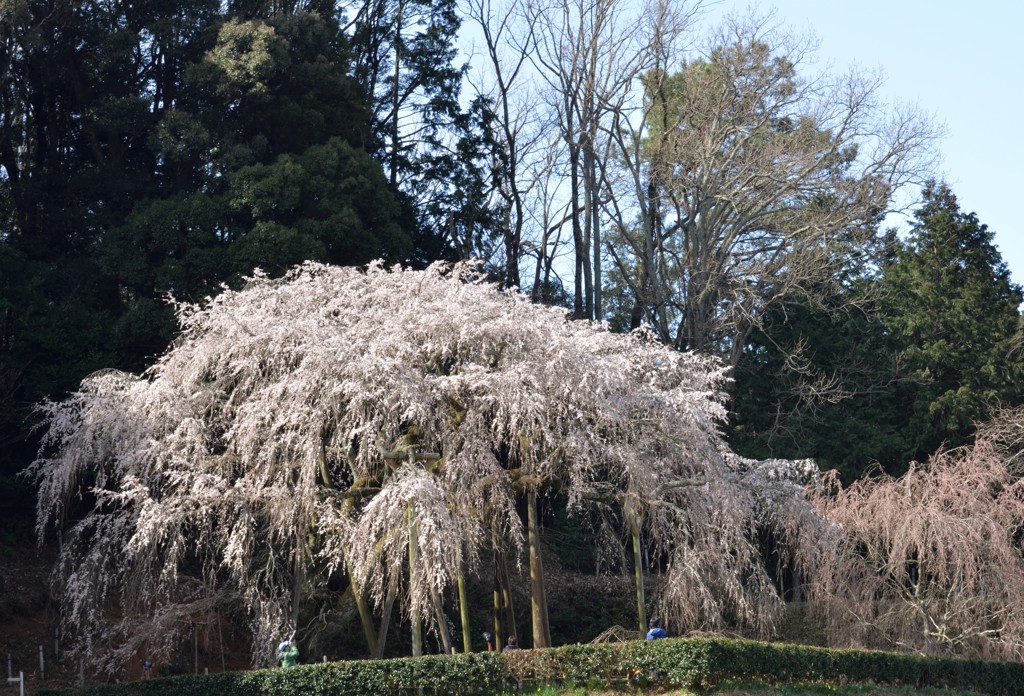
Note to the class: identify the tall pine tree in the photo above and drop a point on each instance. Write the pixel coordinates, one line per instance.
(954, 311)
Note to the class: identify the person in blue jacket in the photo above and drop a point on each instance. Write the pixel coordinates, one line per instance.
(656, 631)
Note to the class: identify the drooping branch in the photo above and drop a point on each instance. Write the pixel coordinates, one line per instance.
(255, 452)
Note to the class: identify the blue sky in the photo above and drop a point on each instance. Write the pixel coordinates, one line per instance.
(962, 62)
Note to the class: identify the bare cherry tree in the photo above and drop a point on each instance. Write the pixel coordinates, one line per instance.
(930, 562)
(1005, 431)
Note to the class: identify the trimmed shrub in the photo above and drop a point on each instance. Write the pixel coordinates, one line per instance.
(692, 663)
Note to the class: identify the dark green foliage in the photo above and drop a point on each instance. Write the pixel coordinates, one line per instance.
(17, 507)
(891, 366)
(954, 313)
(821, 381)
(673, 663)
(261, 166)
(159, 148)
(404, 53)
(330, 202)
(395, 676)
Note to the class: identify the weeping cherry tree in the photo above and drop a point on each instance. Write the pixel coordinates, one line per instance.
(378, 428)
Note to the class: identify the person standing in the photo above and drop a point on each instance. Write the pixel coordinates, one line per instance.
(288, 653)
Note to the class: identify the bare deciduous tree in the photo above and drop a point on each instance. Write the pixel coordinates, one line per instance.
(930, 562)
(590, 54)
(759, 181)
(506, 35)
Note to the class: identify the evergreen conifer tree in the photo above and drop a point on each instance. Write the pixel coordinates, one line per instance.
(954, 311)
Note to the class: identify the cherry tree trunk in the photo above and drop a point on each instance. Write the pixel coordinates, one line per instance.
(635, 523)
(538, 599)
(417, 626)
(467, 638)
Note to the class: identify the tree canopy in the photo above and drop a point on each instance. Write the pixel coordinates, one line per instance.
(824, 383)
(380, 425)
(954, 311)
(147, 150)
(765, 183)
(906, 357)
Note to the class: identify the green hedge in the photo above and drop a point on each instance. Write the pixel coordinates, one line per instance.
(787, 664)
(675, 663)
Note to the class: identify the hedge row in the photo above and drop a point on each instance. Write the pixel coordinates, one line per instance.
(674, 663)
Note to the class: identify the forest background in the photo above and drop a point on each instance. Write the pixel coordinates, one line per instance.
(622, 160)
